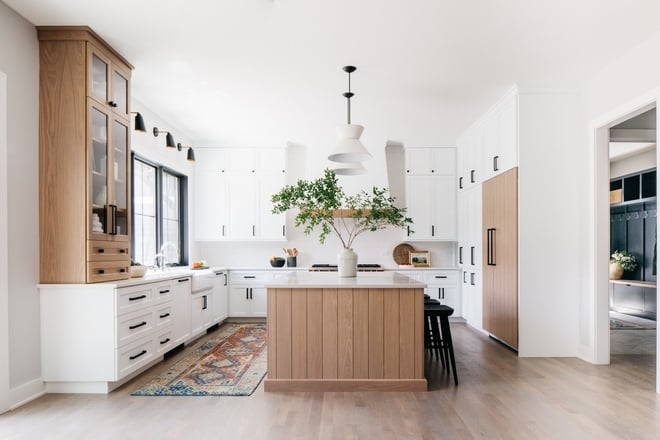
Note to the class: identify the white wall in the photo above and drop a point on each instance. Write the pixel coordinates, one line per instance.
(4, 260)
(19, 59)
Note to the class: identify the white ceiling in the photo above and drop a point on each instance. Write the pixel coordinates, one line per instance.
(268, 72)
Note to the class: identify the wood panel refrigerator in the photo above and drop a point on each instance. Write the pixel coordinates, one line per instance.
(500, 259)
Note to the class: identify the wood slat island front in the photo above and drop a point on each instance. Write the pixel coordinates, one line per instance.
(327, 333)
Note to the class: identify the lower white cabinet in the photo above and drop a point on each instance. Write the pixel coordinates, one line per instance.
(94, 337)
(443, 286)
(247, 294)
(200, 313)
(472, 297)
(220, 296)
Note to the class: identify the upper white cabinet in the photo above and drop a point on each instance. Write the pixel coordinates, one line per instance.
(501, 138)
(490, 146)
(233, 188)
(431, 194)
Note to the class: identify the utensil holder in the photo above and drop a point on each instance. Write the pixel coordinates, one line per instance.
(291, 261)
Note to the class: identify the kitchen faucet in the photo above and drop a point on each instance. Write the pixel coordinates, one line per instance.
(168, 252)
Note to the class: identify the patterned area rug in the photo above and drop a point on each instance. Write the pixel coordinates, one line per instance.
(233, 363)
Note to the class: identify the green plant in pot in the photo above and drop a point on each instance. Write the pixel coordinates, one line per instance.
(322, 203)
(621, 261)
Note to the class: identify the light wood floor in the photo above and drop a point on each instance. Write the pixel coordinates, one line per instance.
(499, 396)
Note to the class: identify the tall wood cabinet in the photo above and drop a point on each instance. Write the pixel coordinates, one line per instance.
(500, 257)
(84, 157)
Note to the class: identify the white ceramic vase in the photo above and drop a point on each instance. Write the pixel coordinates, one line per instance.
(616, 271)
(347, 263)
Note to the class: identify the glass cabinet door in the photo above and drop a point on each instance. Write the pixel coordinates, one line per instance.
(120, 98)
(98, 155)
(120, 178)
(99, 85)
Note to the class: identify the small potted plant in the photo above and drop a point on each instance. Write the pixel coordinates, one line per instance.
(621, 261)
(323, 203)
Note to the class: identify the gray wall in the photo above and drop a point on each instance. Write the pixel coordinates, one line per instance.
(19, 60)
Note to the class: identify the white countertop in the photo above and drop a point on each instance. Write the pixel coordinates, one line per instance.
(376, 280)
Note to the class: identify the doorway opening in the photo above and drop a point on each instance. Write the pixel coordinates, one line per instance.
(633, 239)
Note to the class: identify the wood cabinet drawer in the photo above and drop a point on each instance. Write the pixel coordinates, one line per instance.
(100, 271)
(132, 326)
(441, 277)
(133, 356)
(99, 250)
(134, 298)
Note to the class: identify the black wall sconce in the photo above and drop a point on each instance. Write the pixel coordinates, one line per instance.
(169, 139)
(191, 154)
(139, 122)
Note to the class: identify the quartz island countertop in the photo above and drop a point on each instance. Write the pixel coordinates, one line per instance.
(366, 280)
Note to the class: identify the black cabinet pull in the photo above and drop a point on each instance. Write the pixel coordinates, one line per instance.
(250, 292)
(441, 276)
(101, 251)
(472, 255)
(183, 280)
(253, 234)
(460, 183)
(247, 293)
(460, 255)
(225, 279)
(133, 327)
(122, 251)
(101, 271)
(408, 230)
(283, 230)
(205, 304)
(432, 230)
(472, 179)
(249, 276)
(135, 298)
(433, 171)
(490, 247)
(138, 355)
(165, 341)
(223, 230)
(218, 273)
(122, 270)
(464, 280)
(496, 165)
(441, 292)
(165, 315)
(162, 292)
(407, 171)
(113, 215)
(112, 104)
(472, 278)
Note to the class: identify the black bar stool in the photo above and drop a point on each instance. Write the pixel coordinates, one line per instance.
(440, 338)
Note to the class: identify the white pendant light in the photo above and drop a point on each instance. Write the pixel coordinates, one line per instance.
(349, 149)
(350, 169)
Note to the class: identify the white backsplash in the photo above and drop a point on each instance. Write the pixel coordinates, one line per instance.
(372, 247)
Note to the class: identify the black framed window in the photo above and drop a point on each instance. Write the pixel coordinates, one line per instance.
(159, 213)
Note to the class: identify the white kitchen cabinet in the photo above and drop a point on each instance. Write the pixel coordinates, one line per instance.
(443, 285)
(199, 313)
(210, 194)
(500, 151)
(469, 162)
(471, 297)
(247, 294)
(233, 192)
(97, 336)
(220, 303)
(469, 228)
(431, 194)
(181, 303)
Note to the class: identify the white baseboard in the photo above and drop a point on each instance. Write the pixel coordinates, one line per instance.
(25, 393)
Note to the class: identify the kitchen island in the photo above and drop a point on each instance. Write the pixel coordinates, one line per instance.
(327, 333)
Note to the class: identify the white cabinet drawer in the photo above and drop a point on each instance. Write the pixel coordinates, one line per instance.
(135, 355)
(442, 277)
(249, 278)
(134, 298)
(162, 292)
(132, 326)
(164, 316)
(164, 340)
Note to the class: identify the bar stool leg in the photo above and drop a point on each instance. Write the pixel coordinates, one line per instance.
(447, 342)
(437, 340)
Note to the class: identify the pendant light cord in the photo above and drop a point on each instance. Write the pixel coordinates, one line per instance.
(348, 95)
